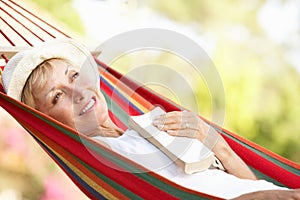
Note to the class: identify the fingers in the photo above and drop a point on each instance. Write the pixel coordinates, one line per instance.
(185, 124)
(183, 133)
(175, 120)
(179, 121)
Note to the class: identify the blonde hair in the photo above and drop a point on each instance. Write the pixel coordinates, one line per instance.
(38, 79)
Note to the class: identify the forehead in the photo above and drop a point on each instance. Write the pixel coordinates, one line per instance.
(59, 64)
(60, 67)
(48, 73)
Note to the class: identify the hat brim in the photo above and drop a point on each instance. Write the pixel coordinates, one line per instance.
(58, 48)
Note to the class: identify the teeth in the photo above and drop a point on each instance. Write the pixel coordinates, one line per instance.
(91, 103)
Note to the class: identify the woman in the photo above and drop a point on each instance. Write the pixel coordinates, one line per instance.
(60, 79)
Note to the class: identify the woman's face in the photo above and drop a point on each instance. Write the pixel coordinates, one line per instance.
(71, 97)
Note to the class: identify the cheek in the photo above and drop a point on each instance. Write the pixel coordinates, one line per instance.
(102, 110)
(102, 117)
(63, 115)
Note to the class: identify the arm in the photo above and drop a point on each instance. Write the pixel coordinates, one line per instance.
(187, 124)
(271, 194)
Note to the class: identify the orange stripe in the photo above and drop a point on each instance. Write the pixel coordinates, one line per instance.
(125, 90)
(93, 180)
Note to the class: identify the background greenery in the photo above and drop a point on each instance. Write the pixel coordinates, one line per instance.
(261, 84)
(63, 11)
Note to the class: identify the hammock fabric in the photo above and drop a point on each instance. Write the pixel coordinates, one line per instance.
(103, 174)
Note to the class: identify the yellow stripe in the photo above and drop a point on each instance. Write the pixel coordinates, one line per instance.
(89, 181)
(132, 100)
(86, 179)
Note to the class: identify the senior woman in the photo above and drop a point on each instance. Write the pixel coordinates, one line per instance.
(60, 78)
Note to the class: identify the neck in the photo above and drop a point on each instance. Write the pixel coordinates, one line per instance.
(107, 129)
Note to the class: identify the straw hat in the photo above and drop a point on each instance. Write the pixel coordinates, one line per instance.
(19, 67)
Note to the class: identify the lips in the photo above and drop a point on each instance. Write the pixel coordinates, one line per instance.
(88, 107)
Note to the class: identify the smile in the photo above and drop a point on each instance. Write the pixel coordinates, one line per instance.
(88, 106)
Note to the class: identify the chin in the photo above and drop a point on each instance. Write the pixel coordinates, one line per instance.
(103, 118)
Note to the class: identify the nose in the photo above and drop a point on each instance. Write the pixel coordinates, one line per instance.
(78, 94)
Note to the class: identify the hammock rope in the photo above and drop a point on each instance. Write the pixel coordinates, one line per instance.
(20, 26)
(26, 11)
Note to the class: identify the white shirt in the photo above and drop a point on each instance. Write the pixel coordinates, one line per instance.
(212, 181)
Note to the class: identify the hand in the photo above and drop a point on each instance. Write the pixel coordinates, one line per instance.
(185, 124)
(188, 124)
(272, 194)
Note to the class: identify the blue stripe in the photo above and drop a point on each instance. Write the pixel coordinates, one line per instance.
(70, 171)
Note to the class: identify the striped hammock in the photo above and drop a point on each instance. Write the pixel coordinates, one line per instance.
(102, 174)
(85, 161)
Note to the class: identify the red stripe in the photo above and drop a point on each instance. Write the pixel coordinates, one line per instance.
(69, 157)
(278, 173)
(117, 121)
(125, 89)
(263, 150)
(127, 180)
(47, 141)
(250, 157)
(153, 98)
(264, 165)
(124, 105)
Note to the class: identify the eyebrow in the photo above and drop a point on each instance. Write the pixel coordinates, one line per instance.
(47, 93)
(53, 88)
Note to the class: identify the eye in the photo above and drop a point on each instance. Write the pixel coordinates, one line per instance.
(56, 97)
(75, 75)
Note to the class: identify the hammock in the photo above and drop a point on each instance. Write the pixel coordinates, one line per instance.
(87, 162)
(96, 170)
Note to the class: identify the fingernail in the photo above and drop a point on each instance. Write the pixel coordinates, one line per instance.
(171, 132)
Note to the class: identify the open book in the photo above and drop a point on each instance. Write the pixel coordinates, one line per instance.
(188, 153)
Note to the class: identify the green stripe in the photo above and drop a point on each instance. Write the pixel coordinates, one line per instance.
(126, 166)
(262, 154)
(109, 181)
(141, 174)
(274, 160)
(116, 109)
(263, 176)
(145, 176)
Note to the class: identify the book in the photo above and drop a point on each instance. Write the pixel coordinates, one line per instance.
(188, 153)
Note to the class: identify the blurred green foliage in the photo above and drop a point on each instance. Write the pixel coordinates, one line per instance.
(261, 86)
(63, 11)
